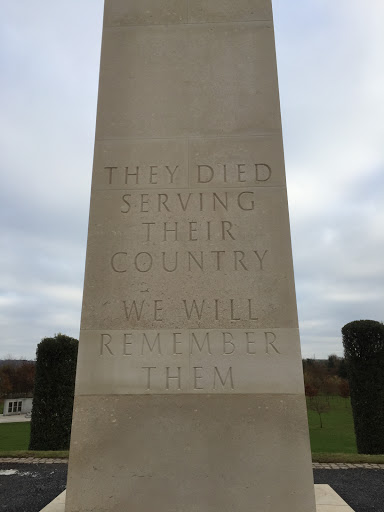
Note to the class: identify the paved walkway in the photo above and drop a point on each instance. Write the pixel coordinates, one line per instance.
(14, 419)
(32, 460)
(315, 465)
(344, 465)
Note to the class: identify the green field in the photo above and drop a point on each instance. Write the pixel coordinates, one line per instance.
(336, 436)
(14, 436)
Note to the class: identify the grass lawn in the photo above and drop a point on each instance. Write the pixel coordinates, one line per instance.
(14, 436)
(337, 434)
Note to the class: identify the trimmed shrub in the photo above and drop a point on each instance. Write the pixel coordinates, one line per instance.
(53, 395)
(363, 342)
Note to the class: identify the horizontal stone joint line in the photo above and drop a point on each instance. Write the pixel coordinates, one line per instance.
(173, 394)
(191, 137)
(181, 23)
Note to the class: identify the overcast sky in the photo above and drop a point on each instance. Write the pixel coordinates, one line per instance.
(331, 74)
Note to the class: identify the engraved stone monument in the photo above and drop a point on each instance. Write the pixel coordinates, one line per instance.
(189, 392)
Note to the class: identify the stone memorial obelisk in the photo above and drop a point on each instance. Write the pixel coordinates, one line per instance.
(189, 391)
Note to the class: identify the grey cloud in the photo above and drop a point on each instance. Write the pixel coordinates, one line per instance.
(331, 81)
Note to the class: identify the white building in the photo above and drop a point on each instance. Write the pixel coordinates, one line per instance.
(17, 406)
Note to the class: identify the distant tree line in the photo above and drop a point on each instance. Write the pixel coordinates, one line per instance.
(326, 377)
(17, 377)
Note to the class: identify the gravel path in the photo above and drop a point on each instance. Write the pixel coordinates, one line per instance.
(29, 487)
(362, 489)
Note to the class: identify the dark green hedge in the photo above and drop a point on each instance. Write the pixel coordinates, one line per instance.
(363, 342)
(53, 395)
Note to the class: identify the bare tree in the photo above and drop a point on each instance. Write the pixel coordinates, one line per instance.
(320, 405)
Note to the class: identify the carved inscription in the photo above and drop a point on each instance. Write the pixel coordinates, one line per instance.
(187, 233)
(174, 379)
(187, 202)
(235, 173)
(213, 343)
(191, 309)
(140, 175)
(188, 261)
(195, 359)
(202, 173)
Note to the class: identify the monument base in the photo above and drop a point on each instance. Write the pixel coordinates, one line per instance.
(190, 453)
(327, 500)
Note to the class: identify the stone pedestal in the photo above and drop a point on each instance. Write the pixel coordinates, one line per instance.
(327, 500)
(189, 393)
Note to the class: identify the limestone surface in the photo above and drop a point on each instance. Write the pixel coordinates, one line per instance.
(189, 392)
